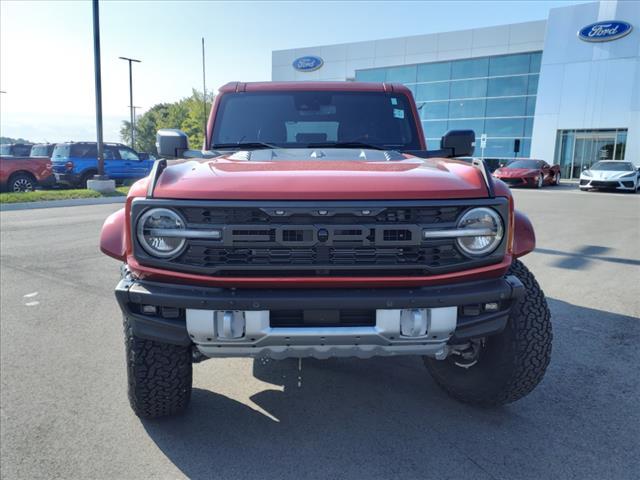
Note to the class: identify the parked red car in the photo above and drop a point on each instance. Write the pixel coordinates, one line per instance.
(24, 174)
(528, 173)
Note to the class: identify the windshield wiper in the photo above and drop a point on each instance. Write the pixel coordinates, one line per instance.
(245, 145)
(347, 145)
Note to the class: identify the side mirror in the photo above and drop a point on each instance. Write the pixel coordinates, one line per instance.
(460, 143)
(171, 143)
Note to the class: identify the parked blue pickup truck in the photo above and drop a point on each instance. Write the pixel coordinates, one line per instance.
(76, 162)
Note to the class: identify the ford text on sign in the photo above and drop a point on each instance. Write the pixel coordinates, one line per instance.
(604, 31)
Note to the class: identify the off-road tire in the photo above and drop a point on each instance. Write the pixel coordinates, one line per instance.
(159, 376)
(512, 363)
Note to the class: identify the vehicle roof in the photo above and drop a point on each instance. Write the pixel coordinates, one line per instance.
(232, 87)
(110, 144)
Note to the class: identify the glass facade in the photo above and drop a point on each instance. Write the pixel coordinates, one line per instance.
(579, 149)
(495, 96)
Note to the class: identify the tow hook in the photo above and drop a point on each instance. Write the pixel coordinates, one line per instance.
(467, 353)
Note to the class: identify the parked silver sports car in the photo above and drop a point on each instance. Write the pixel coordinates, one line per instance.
(611, 174)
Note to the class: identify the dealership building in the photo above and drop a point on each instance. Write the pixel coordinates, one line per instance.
(565, 89)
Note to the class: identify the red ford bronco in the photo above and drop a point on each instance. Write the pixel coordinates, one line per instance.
(315, 223)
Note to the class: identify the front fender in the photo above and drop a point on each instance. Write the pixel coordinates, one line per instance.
(524, 238)
(113, 236)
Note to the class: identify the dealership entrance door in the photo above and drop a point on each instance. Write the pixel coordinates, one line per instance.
(579, 149)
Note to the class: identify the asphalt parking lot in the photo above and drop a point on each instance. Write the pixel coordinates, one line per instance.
(64, 411)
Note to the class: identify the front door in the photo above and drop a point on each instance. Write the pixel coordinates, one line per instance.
(591, 148)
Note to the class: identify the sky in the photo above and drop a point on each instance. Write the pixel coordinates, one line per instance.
(46, 49)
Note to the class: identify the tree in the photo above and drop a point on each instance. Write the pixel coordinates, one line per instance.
(186, 114)
(4, 140)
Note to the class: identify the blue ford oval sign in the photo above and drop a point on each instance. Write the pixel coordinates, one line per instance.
(604, 31)
(308, 63)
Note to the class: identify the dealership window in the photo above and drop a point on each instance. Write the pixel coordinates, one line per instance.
(405, 74)
(528, 127)
(477, 125)
(577, 150)
(432, 92)
(466, 108)
(504, 86)
(435, 130)
(507, 107)
(434, 111)
(509, 64)
(493, 95)
(430, 72)
(475, 68)
(504, 127)
(372, 75)
(469, 88)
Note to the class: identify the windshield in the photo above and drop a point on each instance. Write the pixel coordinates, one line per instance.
(526, 164)
(40, 150)
(315, 118)
(5, 149)
(613, 166)
(62, 151)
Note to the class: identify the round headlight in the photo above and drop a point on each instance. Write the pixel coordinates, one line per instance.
(485, 230)
(159, 232)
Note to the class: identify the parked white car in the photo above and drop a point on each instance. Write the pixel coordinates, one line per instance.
(613, 174)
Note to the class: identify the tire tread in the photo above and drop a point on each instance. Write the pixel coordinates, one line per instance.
(528, 343)
(159, 376)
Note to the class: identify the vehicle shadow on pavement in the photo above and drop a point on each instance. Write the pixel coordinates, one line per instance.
(584, 256)
(385, 418)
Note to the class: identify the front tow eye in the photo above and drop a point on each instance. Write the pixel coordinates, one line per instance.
(230, 324)
(467, 355)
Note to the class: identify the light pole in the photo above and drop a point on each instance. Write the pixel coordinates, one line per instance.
(135, 120)
(130, 60)
(98, 83)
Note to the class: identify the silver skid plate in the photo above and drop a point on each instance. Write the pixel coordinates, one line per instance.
(237, 333)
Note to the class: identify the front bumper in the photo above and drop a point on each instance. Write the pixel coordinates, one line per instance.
(67, 178)
(621, 184)
(49, 181)
(456, 313)
(519, 181)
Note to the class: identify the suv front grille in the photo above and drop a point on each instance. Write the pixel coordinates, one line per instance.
(434, 256)
(283, 239)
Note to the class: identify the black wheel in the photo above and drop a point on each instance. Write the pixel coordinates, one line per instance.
(22, 182)
(86, 177)
(158, 374)
(556, 179)
(505, 367)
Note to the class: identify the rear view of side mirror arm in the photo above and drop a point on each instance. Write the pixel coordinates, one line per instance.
(171, 143)
(461, 143)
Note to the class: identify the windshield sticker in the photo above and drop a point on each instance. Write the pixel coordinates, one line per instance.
(398, 113)
(394, 101)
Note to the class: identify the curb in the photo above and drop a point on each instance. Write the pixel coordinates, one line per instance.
(75, 202)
